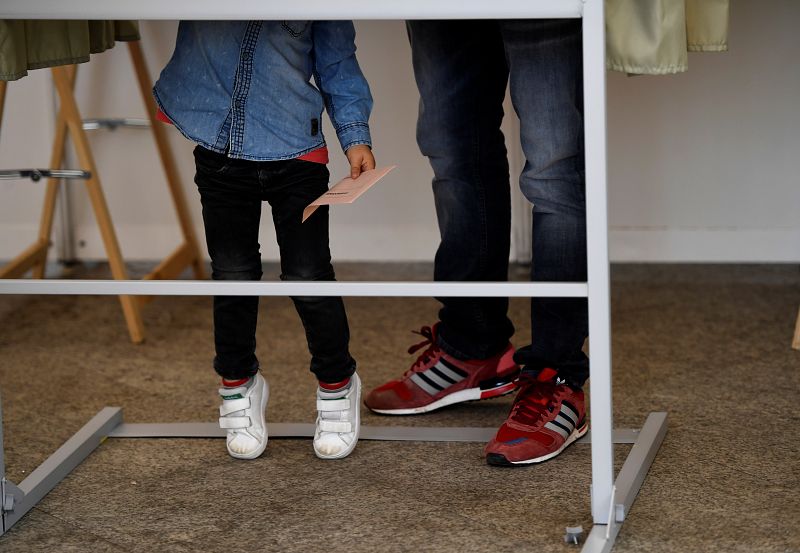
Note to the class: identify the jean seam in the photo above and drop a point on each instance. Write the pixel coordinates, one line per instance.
(292, 32)
(484, 238)
(242, 80)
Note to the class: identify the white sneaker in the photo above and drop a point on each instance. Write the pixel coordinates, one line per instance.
(338, 421)
(243, 415)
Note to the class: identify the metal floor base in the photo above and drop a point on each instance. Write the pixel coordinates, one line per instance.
(306, 430)
(19, 499)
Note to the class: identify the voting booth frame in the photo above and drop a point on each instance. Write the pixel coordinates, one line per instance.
(611, 498)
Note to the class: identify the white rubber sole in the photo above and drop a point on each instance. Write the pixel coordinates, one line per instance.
(576, 434)
(356, 422)
(262, 412)
(470, 394)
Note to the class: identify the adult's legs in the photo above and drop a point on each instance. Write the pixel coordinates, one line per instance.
(290, 186)
(461, 73)
(544, 59)
(230, 196)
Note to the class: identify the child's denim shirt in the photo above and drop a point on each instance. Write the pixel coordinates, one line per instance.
(243, 87)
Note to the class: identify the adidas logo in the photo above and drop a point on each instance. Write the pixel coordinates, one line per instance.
(565, 420)
(442, 375)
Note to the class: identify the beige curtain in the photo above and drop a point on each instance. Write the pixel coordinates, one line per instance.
(653, 36)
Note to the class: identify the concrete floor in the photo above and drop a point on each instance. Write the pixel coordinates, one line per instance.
(709, 344)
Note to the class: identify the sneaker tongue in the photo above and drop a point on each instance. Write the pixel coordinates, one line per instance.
(334, 394)
(236, 392)
(546, 375)
(233, 393)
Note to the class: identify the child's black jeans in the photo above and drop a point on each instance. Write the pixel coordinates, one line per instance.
(232, 192)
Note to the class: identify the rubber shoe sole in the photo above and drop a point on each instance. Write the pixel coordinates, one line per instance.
(498, 460)
(499, 387)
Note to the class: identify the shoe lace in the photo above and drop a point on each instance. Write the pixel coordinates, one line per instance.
(431, 351)
(535, 401)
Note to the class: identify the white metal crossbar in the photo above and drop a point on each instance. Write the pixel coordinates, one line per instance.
(300, 9)
(610, 501)
(293, 288)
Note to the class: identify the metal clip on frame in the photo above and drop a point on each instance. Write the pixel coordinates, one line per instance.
(113, 124)
(37, 174)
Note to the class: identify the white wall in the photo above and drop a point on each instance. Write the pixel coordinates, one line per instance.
(703, 166)
(25, 136)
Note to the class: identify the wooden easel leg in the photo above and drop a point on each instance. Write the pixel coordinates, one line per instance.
(51, 193)
(69, 109)
(3, 86)
(796, 340)
(188, 252)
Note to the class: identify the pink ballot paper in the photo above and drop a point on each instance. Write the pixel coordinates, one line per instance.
(347, 190)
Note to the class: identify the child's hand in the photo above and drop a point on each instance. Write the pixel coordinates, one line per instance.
(360, 158)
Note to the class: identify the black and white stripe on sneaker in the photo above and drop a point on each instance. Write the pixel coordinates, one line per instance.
(440, 376)
(565, 422)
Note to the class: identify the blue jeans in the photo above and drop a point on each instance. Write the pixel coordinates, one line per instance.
(232, 191)
(462, 69)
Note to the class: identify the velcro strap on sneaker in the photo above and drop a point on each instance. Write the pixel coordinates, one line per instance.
(335, 426)
(234, 422)
(232, 405)
(333, 404)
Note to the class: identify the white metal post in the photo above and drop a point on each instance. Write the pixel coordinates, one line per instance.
(594, 98)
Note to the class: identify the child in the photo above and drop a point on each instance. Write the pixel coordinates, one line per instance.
(241, 90)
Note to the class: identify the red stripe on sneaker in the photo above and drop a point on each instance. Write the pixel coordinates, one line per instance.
(499, 391)
(334, 385)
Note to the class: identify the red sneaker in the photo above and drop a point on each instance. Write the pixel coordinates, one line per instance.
(437, 379)
(546, 417)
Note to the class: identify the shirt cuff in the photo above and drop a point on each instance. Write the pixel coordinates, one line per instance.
(352, 134)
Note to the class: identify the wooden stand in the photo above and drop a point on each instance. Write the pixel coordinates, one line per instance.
(70, 123)
(796, 339)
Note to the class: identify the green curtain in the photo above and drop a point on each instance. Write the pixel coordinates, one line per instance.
(34, 44)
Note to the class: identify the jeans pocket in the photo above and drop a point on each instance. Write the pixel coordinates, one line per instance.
(211, 162)
(295, 28)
